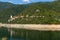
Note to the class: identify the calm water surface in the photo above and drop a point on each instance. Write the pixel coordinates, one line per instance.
(13, 39)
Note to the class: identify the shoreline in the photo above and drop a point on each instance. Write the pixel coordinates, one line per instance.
(33, 26)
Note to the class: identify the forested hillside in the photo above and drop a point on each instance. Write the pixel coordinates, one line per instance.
(6, 12)
(4, 5)
(34, 13)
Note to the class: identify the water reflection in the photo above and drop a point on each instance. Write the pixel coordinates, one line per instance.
(23, 34)
(11, 39)
(14, 39)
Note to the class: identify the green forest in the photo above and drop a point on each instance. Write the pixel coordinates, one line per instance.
(43, 12)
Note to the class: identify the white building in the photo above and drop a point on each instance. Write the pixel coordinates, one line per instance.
(11, 16)
(37, 10)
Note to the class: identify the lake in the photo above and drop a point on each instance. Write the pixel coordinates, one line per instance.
(12, 39)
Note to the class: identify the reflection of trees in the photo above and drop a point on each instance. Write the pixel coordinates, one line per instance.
(4, 32)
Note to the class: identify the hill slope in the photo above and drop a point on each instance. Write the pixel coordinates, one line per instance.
(4, 5)
(34, 13)
(44, 13)
(5, 13)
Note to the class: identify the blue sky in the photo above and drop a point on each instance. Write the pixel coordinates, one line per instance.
(25, 1)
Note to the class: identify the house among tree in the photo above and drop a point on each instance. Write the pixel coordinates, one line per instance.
(58, 18)
(27, 15)
(11, 16)
(37, 10)
(22, 16)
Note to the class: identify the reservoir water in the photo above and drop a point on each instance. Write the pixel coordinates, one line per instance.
(12, 39)
(24, 34)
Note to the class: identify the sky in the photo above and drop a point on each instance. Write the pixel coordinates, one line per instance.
(25, 1)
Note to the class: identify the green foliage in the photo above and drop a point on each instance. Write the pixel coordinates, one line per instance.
(4, 5)
(50, 11)
(5, 13)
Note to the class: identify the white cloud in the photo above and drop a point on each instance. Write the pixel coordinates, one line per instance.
(10, 1)
(26, 1)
